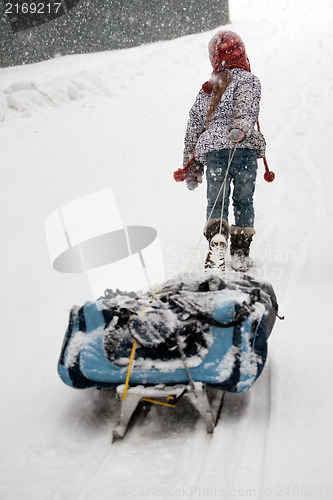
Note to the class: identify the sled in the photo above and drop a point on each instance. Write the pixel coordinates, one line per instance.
(206, 400)
(193, 340)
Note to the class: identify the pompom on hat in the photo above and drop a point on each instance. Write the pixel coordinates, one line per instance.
(226, 51)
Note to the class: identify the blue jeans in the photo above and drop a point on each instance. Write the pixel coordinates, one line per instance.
(243, 173)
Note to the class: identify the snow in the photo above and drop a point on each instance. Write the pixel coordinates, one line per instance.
(78, 124)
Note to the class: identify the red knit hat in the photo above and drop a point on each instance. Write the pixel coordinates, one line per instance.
(226, 51)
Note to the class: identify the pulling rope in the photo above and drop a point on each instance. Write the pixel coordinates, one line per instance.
(184, 360)
(223, 186)
(179, 176)
(231, 157)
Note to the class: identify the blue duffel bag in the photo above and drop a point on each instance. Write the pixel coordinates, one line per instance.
(211, 331)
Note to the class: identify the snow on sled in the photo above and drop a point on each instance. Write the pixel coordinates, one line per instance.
(192, 339)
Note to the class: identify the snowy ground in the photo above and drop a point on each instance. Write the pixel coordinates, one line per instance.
(75, 125)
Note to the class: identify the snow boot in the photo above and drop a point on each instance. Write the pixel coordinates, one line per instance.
(216, 232)
(240, 241)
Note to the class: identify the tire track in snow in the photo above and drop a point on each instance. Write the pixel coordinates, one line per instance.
(89, 486)
(188, 482)
(236, 454)
(167, 454)
(249, 474)
(163, 452)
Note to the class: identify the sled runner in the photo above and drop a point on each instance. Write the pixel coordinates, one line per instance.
(187, 339)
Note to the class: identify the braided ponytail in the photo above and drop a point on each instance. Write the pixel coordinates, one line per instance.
(221, 82)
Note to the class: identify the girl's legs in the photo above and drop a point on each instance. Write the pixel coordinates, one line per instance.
(244, 172)
(217, 228)
(244, 177)
(217, 163)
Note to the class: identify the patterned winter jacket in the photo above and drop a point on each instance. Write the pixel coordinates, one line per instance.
(239, 108)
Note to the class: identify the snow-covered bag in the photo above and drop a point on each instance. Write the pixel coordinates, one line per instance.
(214, 330)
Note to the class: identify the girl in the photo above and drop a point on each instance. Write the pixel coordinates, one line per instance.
(220, 134)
